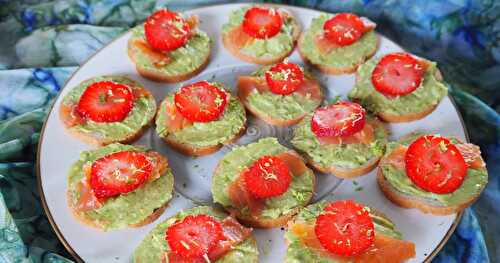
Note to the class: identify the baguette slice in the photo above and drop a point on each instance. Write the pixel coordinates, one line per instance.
(228, 43)
(413, 116)
(345, 172)
(336, 70)
(100, 225)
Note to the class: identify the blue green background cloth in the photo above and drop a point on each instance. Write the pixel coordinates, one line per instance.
(44, 41)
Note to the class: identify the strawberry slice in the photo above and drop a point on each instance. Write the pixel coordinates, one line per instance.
(166, 30)
(343, 29)
(397, 74)
(201, 101)
(284, 78)
(194, 237)
(119, 173)
(267, 177)
(345, 228)
(340, 119)
(106, 101)
(262, 23)
(434, 164)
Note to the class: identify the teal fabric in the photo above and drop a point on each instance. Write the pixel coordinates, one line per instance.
(42, 43)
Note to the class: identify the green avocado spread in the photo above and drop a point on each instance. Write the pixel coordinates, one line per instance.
(429, 93)
(281, 107)
(473, 184)
(297, 252)
(142, 112)
(154, 244)
(341, 57)
(184, 60)
(276, 46)
(201, 134)
(348, 156)
(125, 209)
(233, 163)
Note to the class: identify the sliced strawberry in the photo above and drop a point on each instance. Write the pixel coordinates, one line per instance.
(340, 119)
(106, 101)
(434, 164)
(267, 177)
(344, 29)
(119, 173)
(284, 78)
(345, 228)
(195, 236)
(201, 101)
(397, 74)
(166, 30)
(262, 22)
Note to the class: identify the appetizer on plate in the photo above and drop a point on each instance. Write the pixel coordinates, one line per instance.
(434, 174)
(281, 94)
(107, 109)
(341, 139)
(119, 186)
(200, 118)
(260, 34)
(263, 183)
(399, 87)
(344, 231)
(339, 43)
(169, 47)
(198, 235)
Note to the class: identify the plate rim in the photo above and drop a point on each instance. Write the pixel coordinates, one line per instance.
(46, 209)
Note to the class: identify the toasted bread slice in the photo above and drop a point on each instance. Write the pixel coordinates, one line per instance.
(234, 49)
(345, 172)
(95, 138)
(163, 168)
(193, 150)
(389, 117)
(156, 76)
(336, 70)
(421, 204)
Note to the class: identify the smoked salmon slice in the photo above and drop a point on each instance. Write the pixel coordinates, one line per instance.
(70, 116)
(384, 248)
(247, 84)
(175, 121)
(365, 136)
(471, 154)
(396, 158)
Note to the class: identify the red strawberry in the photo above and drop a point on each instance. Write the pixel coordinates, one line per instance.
(166, 30)
(262, 22)
(201, 101)
(284, 78)
(269, 176)
(436, 165)
(195, 236)
(119, 173)
(106, 101)
(345, 228)
(344, 29)
(397, 74)
(340, 119)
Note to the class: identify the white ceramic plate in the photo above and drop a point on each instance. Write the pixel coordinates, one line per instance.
(58, 150)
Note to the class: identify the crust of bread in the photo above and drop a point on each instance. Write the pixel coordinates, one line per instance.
(155, 76)
(409, 202)
(226, 41)
(268, 223)
(336, 70)
(191, 150)
(270, 120)
(388, 117)
(348, 173)
(86, 221)
(87, 138)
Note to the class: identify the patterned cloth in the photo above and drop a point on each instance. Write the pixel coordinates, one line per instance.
(44, 41)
